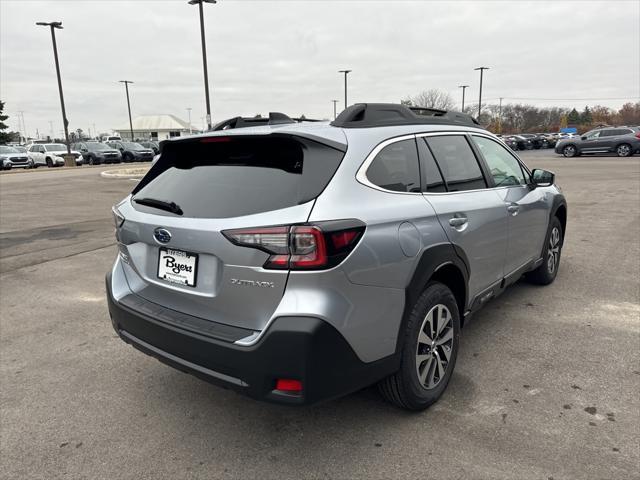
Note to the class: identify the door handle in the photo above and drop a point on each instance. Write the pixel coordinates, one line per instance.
(513, 209)
(457, 222)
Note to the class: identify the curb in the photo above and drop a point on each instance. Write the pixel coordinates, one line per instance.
(135, 173)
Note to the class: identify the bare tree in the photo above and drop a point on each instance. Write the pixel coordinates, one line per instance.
(432, 98)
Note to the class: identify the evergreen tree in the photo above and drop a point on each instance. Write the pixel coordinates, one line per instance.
(586, 117)
(573, 118)
(4, 136)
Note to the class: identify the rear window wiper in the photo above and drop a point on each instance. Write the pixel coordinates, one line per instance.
(172, 207)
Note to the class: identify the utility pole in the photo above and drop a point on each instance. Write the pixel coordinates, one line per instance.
(189, 110)
(335, 102)
(500, 116)
(70, 159)
(51, 129)
(204, 56)
(463, 87)
(346, 72)
(22, 127)
(482, 69)
(126, 88)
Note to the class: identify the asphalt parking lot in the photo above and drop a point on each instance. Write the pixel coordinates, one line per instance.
(547, 384)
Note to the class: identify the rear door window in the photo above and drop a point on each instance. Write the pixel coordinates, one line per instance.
(222, 177)
(396, 167)
(457, 162)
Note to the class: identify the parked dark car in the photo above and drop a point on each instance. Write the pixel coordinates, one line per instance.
(132, 151)
(536, 141)
(95, 153)
(521, 142)
(623, 141)
(511, 142)
(152, 145)
(548, 140)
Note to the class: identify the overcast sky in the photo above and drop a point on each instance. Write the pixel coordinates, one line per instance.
(276, 55)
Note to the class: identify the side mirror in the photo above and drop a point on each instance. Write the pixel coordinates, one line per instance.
(542, 178)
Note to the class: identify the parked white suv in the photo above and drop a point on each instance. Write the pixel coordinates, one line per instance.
(50, 154)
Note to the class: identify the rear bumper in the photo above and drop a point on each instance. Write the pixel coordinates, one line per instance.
(300, 348)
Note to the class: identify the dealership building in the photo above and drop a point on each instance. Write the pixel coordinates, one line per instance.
(154, 127)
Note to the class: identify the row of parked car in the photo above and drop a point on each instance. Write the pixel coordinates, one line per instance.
(530, 141)
(622, 141)
(90, 153)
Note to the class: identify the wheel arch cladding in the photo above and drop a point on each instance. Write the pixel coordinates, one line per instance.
(443, 264)
(561, 213)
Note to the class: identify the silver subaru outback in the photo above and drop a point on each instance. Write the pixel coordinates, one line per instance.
(297, 262)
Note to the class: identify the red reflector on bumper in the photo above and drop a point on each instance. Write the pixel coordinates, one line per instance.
(286, 385)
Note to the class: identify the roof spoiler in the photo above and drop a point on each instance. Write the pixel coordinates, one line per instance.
(366, 115)
(274, 118)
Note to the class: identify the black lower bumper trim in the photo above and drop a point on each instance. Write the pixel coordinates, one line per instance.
(307, 349)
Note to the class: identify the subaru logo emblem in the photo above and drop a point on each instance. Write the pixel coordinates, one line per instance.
(162, 235)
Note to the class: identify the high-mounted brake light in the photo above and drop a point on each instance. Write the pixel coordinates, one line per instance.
(215, 139)
(301, 247)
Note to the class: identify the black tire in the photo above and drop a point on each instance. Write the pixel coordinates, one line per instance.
(126, 158)
(569, 151)
(545, 273)
(624, 150)
(404, 388)
(49, 162)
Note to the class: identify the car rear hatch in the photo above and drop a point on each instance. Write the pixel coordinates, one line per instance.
(174, 231)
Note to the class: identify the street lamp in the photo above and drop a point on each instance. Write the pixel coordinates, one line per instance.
(189, 110)
(69, 161)
(346, 72)
(204, 56)
(463, 87)
(482, 69)
(126, 87)
(335, 102)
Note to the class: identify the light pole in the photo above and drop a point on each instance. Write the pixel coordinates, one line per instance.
(69, 161)
(482, 69)
(463, 87)
(346, 72)
(204, 56)
(126, 87)
(335, 102)
(500, 116)
(189, 110)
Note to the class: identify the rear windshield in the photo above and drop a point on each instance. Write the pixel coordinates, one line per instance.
(222, 177)
(95, 146)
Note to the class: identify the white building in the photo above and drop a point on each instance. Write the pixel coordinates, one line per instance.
(154, 127)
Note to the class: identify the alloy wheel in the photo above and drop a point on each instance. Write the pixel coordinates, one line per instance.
(623, 150)
(435, 344)
(553, 253)
(569, 151)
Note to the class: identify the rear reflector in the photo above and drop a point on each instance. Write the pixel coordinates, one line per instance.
(288, 385)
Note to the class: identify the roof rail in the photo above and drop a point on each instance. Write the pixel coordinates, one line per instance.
(274, 118)
(366, 115)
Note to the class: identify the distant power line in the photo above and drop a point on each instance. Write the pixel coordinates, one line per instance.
(567, 99)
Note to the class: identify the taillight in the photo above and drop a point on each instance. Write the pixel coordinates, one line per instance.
(301, 247)
(638, 135)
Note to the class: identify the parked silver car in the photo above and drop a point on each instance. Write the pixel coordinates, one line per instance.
(299, 262)
(12, 157)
